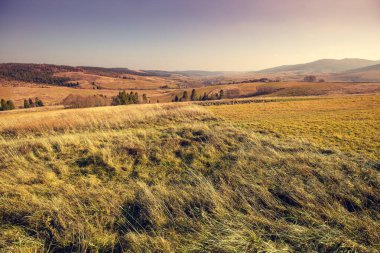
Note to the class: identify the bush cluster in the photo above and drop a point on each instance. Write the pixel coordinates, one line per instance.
(29, 103)
(195, 97)
(124, 98)
(6, 105)
(77, 101)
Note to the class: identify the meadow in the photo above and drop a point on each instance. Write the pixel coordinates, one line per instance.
(152, 87)
(188, 178)
(350, 124)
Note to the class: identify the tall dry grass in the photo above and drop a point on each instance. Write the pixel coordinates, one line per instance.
(174, 178)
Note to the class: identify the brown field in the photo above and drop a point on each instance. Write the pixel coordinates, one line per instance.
(136, 82)
(53, 95)
(150, 85)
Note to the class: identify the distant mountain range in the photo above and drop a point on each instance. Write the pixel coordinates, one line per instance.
(368, 68)
(322, 66)
(365, 74)
(351, 70)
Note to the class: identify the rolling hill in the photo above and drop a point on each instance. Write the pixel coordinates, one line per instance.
(369, 68)
(365, 74)
(323, 66)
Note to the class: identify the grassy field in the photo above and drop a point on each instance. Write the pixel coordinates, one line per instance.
(136, 82)
(53, 95)
(347, 123)
(179, 178)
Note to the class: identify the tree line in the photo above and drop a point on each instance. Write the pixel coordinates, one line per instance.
(29, 103)
(6, 105)
(195, 97)
(34, 73)
(122, 98)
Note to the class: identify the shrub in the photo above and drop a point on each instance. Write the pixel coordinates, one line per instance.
(310, 79)
(77, 101)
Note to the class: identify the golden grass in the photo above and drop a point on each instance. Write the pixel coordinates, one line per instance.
(289, 89)
(52, 95)
(174, 178)
(138, 82)
(348, 123)
(24, 123)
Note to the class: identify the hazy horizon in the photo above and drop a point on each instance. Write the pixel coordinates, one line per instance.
(173, 35)
(180, 70)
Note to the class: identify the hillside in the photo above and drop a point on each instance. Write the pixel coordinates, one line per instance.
(59, 75)
(177, 178)
(368, 68)
(52, 83)
(90, 80)
(366, 74)
(323, 66)
(53, 95)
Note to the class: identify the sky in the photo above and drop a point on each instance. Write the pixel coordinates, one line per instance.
(224, 35)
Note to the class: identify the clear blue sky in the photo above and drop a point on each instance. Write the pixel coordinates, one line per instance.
(188, 34)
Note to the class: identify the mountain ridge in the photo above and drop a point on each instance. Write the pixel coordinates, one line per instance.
(323, 66)
(368, 68)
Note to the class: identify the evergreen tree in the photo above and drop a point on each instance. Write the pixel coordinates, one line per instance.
(26, 103)
(124, 99)
(3, 104)
(10, 105)
(185, 96)
(144, 98)
(38, 102)
(221, 94)
(193, 96)
(31, 103)
(6, 105)
(136, 98)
